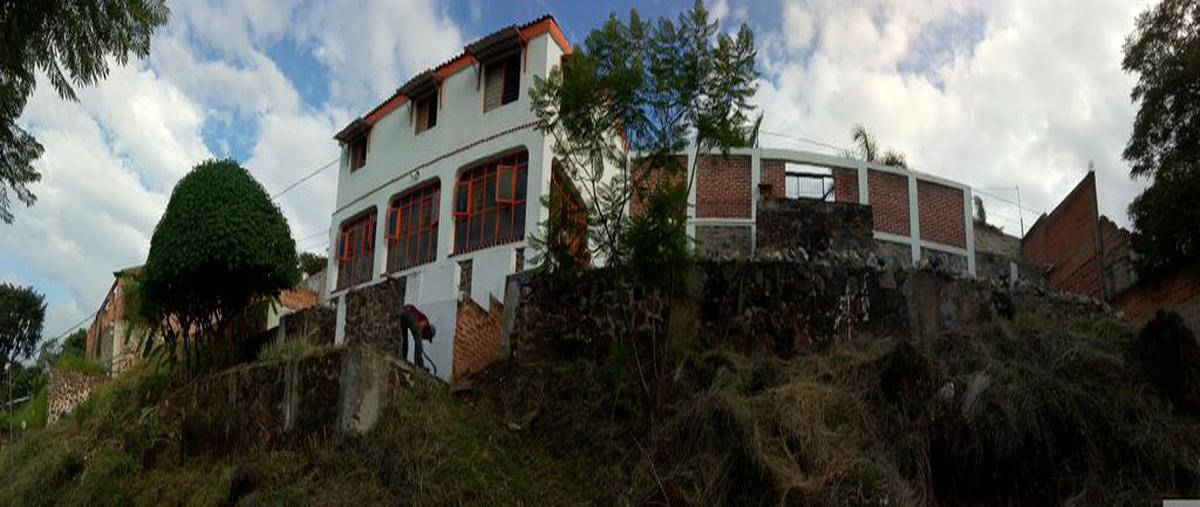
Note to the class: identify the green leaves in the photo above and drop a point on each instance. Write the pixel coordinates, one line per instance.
(221, 244)
(22, 311)
(71, 43)
(1164, 52)
(624, 108)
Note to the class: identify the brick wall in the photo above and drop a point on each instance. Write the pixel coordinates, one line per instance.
(723, 187)
(942, 214)
(476, 337)
(845, 185)
(1065, 242)
(637, 202)
(1179, 292)
(889, 197)
(773, 173)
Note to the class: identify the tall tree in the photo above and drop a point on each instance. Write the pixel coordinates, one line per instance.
(70, 42)
(311, 263)
(22, 311)
(221, 248)
(866, 148)
(1164, 52)
(636, 96)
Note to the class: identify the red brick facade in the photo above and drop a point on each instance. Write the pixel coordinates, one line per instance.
(476, 337)
(772, 179)
(1179, 292)
(637, 202)
(845, 185)
(723, 187)
(1065, 241)
(943, 216)
(888, 194)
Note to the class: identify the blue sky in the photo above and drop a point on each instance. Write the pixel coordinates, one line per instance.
(994, 93)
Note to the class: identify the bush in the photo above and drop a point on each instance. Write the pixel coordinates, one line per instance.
(221, 245)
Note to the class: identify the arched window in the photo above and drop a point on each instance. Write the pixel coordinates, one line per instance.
(412, 227)
(356, 250)
(489, 203)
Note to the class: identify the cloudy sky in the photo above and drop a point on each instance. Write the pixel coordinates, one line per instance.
(993, 93)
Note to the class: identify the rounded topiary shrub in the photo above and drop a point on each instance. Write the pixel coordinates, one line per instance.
(221, 244)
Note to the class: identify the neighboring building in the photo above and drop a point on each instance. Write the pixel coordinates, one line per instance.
(1087, 253)
(110, 343)
(106, 338)
(916, 215)
(440, 188)
(1080, 250)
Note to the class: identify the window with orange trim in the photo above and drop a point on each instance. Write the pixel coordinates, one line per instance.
(358, 153)
(502, 82)
(356, 251)
(412, 227)
(427, 109)
(489, 203)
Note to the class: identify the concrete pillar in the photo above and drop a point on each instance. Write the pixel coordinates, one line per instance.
(914, 219)
(864, 189)
(970, 225)
(755, 196)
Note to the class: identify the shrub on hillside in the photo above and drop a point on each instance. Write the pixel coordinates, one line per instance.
(222, 245)
(1170, 356)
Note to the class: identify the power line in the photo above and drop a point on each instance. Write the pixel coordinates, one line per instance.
(306, 178)
(805, 140)
(76, 325)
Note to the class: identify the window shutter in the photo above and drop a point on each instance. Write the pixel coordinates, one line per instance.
(506, 184)
(493, 87)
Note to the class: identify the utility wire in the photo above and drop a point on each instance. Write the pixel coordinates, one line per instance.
(75, 326)
(805, 140)
(306, 178)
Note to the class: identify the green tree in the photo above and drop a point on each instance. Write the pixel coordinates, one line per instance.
(1164, 53)
(636, 96)
(311, 263)
(22, 311)
(71, 43)
(980, 211)
(221, 248)
(866, 148)
(1164, 220)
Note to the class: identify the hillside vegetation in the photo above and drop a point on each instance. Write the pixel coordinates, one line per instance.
(1040, 409)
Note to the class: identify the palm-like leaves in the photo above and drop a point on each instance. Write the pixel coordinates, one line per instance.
(866, 148)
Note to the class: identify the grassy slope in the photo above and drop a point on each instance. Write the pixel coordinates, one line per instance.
(1039, 410)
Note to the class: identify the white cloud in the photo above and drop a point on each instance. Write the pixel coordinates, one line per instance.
(988, 93)
(372, 46)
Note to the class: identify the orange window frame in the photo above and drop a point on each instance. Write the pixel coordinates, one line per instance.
(356, 251)
(412, 227)
(483, 217)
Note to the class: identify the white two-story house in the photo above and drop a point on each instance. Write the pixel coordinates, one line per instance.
(441, 185)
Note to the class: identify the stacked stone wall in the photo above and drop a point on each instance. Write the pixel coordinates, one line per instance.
(815, 226)
(373, 314)
(67, 389)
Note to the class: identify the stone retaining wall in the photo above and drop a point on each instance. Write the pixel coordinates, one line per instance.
(816, 226)
(67, 389)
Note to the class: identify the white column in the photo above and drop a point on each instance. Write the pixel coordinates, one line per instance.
(755, 179)
(914, 219)
(967, 200)
(864, 189)
(691, 199)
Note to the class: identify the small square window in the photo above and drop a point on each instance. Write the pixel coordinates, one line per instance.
(426, 113)
(358, 153)
(502, 82)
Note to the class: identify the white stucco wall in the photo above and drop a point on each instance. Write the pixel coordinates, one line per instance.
(398, 159)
